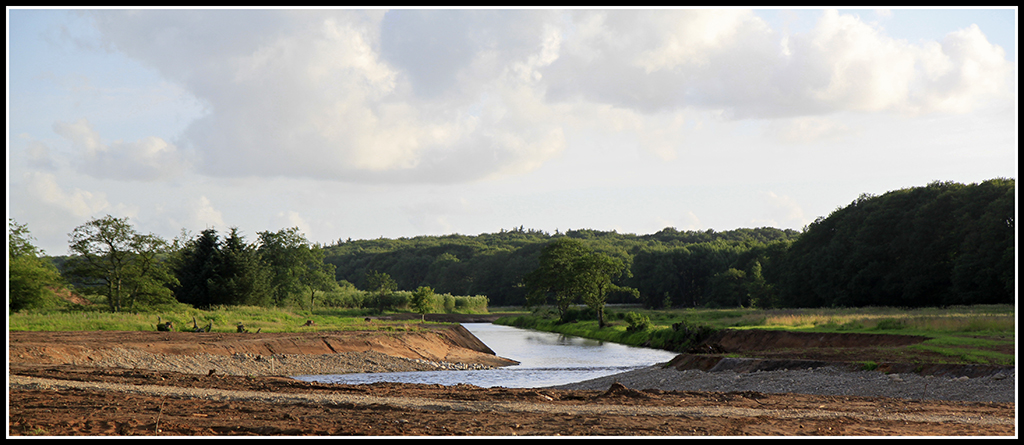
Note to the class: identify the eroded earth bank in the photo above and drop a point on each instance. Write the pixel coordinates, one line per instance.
(197, 384)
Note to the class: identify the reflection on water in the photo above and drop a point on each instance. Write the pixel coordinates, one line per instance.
(545, 359)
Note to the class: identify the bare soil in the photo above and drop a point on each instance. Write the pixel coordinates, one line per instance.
(58, 394)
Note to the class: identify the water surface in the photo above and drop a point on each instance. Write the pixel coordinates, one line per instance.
(545, 359)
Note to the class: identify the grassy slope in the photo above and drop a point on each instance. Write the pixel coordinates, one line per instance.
(969, 334)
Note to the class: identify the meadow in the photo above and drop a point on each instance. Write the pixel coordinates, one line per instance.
(964, 334)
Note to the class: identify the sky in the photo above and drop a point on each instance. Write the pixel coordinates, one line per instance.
(368, 123)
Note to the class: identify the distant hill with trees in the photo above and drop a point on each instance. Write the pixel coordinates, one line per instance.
(942, 244)
(938, 245)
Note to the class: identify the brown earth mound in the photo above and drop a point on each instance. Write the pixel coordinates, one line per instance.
(48, 397)
(765, 350)
(444, 343)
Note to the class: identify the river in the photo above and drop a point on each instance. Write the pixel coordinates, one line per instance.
(545, 359)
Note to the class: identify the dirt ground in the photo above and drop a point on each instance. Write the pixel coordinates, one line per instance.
(389, 409)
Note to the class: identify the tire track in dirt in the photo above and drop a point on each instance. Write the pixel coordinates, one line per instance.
(32, 383)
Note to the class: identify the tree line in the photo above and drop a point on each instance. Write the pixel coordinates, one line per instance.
(942, 244)
(945, 243)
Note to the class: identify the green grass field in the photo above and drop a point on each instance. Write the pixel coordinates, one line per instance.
(224, 319)
(965, 334)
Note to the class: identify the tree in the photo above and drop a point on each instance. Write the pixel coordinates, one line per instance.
(30, 276)
(125, 266)
(556, 274)
(381, 286)
(297, 268)
(195, 268)
(729, 288)
(596, 272)
(942, 244)
(240, 277)
(570, 271)
(422, 300)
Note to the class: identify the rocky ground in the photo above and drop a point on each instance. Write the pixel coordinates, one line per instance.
(152, 384)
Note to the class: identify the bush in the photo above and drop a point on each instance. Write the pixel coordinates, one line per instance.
(891, 324)
(574, 314)
(681, 337)
(473, 304)
(637, 322)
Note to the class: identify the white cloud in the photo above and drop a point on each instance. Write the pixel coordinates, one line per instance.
(780, 211)
(808, 130)
(38, 155)
(43, 188)
(148, 159)
(202, 213)
(290, 219)
(731, 60)
(438, 96)
(308, 94)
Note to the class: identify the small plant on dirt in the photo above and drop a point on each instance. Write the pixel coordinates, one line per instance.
(37, 431)
(869, 366)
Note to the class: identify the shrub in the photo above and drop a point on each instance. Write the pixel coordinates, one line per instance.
(637, 322)
(574, 314)
(891, 324)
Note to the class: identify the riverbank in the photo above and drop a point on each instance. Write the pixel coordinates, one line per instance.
(74, 384)
(429, 347)
(112, 402)
(824, 381)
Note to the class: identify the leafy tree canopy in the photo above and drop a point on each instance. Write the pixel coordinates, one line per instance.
(125, 266)
(29, 276)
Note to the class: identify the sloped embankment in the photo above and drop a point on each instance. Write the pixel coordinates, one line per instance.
(764, 350)
(446, 343)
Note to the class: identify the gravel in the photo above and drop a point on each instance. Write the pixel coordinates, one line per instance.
(820, 381)
(277, 364)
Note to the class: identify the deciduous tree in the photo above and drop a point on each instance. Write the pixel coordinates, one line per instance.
(30, 276)
(297, 268)
(125, 266)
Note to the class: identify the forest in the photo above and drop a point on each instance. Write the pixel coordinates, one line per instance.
(941, 244)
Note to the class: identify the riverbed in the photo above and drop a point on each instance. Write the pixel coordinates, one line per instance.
(545, 359)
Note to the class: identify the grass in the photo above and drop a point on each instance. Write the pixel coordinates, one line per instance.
(224, 319)
(966, 334)
(97, 317)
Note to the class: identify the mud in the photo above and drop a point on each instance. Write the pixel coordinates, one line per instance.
(54, 392)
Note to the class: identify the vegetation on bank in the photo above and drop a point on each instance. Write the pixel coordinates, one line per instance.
(220, 318)
(941, 244)
(936, 246)
(964, 334)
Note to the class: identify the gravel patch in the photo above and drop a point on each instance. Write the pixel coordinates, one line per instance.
(819, 381)
(32, 383)
(277, 364)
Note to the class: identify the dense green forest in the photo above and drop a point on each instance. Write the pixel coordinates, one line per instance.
(942, 244)
(496, 264)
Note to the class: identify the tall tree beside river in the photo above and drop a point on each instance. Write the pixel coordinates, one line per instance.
(569, 271)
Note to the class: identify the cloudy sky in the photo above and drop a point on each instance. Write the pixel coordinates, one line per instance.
(396, 123)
